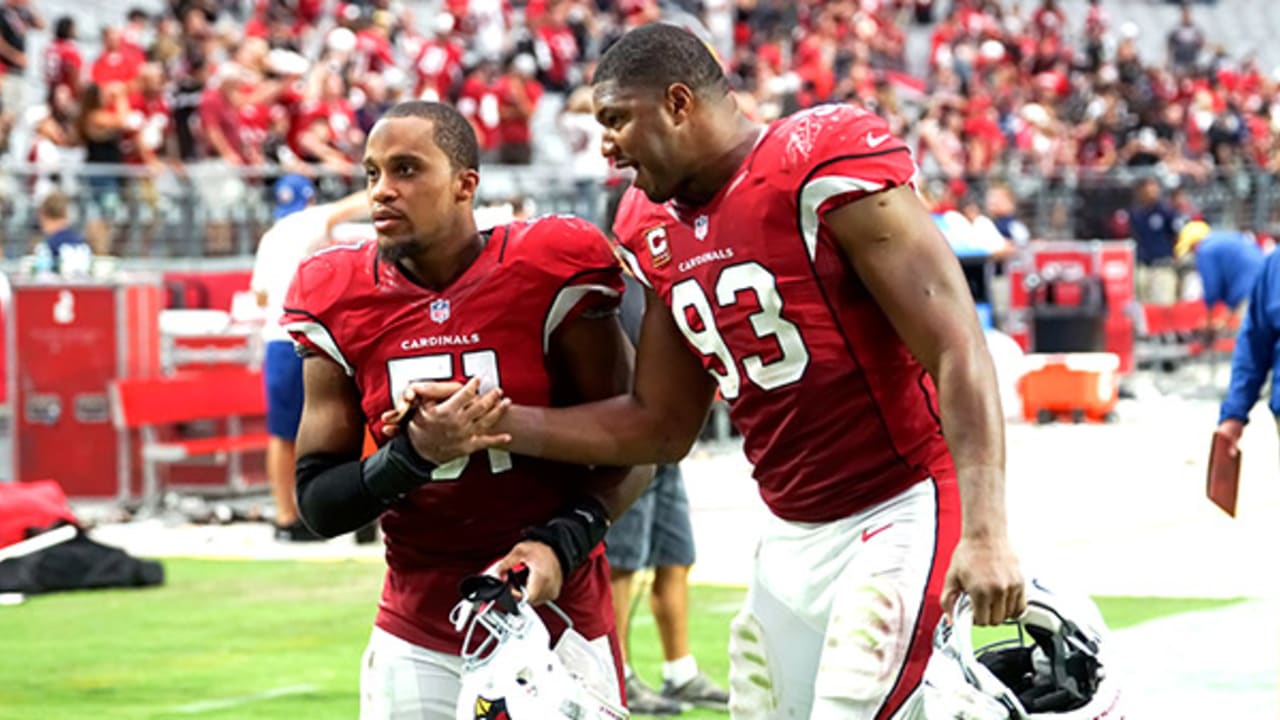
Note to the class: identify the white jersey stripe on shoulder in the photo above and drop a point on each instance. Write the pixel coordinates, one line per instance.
(341, 246)
(633, 264)
(816, 192)
(318, 334)
(568, 297)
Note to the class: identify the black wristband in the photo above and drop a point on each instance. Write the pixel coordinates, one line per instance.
(395, 470)
(574, 533)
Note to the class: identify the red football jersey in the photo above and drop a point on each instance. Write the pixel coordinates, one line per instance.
(147, 124)
(438, 67)
(479, 103)
(62, 64)
(495, 322)
(836, 414)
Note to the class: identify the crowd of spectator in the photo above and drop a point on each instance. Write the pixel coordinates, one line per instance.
(231, 93)
(1030, 93)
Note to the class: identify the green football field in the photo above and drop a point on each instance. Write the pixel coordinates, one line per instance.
(268, 639)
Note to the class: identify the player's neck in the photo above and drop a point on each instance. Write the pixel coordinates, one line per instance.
(439, 264)
(731, 149)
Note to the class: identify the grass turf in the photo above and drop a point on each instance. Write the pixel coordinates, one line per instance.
(268, 639)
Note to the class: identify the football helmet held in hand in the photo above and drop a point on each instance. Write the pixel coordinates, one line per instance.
(511, 672)
(1054, 670)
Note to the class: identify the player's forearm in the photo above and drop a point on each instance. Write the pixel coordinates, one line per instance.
(617, 488)
(973, 424)
(1250, 363)
(616, 431)
(332, 498)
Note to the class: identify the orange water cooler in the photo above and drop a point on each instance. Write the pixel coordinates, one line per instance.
(1076, 386)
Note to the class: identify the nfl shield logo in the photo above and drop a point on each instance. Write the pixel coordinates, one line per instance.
(439, 310)
(700, 227)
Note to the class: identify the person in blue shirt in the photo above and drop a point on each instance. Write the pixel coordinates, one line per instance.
(55, 226)
(1257, 353)
(1228, 262)
(1154, 224)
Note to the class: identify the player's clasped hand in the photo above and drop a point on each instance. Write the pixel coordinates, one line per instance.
(988, 572)
(448, 420)
(545, 574)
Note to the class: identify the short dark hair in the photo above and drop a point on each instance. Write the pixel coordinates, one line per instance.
(657, 55)
(65, 28)
(450, 130)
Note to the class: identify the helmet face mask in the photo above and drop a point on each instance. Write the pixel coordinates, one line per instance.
(1058, 671)
(1054, 668)
(511, 672)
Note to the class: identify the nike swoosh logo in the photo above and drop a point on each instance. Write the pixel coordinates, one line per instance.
(868, 534)
(876, 141)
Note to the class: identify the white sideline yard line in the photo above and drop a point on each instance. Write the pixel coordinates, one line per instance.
(204, 706)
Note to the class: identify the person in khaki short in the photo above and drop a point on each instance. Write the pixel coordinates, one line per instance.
(1154, 225)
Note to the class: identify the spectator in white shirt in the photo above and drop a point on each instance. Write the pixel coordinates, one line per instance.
(301, 227)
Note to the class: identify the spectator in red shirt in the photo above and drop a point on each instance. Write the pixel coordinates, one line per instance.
(62, 60)
(220, 118)
(984, 139)
(219, 176)
(812, 67)
(1096, 148)
(942, 39)
(478, 103)
(324, 129)
(118, 63)
(148, 138)
(518, 95)
(373, 52)
(557, 48)
(438, 65)
(1048, 19)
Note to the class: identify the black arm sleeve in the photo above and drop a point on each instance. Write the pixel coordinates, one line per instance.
(338, 494)
(574, 533)
(332, 497)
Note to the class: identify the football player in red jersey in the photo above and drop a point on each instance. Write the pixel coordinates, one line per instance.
(793, 268)
(516, 307)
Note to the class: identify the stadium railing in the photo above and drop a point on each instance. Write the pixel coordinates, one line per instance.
(190, 212)
(196, 211)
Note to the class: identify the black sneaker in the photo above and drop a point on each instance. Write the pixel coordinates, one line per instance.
(701, 692)
(644, 700)
(296, 531)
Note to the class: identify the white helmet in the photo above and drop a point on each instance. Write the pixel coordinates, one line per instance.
(1057, 673)
(510, 672)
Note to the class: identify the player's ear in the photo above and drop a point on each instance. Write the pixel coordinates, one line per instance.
(466, 181)
(679, 102)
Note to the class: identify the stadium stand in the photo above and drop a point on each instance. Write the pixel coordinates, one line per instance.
(1066, 103)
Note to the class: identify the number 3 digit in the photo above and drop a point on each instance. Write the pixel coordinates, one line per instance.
(768, 322)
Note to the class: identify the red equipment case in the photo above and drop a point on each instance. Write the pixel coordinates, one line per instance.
(1110, 261)
(66, 340)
